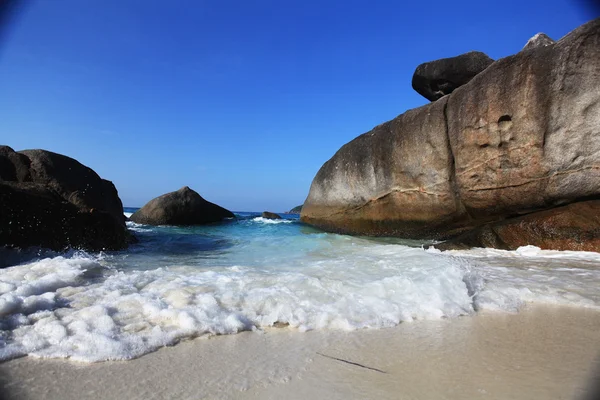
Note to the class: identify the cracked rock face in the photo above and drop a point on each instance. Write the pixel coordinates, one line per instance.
(520, 137)
(395, 180)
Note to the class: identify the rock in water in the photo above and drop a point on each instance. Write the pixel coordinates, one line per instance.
(183, 207)
(53, 201)
(438, 78)
(296, 210)
(521, 137)
(538, 40)
(270, 215)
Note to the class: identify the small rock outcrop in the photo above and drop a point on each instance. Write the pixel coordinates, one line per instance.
(183, 207)
(270, 215)
(53, 201)
(296, 210)
(435, 79)
(538, 40)
(519, 139)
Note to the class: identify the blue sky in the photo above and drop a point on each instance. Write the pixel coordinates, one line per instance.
(241, 100)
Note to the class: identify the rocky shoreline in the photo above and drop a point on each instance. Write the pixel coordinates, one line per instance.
(52, 201)
(507, 154)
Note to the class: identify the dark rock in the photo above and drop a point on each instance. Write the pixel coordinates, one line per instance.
(438, 78)
(519, 138)
(13, 166)
(539, 40)
(183, 207)
(52, 201)
(296, 210)
(33, 215)
(270, 215)
(74, 181)
(572, 227)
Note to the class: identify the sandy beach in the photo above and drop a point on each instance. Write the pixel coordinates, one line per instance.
(542, 352)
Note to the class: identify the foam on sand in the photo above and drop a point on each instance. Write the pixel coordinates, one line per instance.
(540, 353)
(82, 308)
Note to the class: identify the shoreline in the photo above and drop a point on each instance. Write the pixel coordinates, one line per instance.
(549, 352)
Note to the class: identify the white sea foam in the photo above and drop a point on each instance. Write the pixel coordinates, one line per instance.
(128, 214)
(521, 252)
(529, 274)
(272, 221)
(76, 307)
(134, 226)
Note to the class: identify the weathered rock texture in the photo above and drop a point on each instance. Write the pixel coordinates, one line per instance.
(438, 78)
(53, 201)
(270, 215)
(572, 227)
(538, 40)
(521, 137)
(183, 207)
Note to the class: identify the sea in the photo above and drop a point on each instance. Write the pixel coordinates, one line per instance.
(252, 274)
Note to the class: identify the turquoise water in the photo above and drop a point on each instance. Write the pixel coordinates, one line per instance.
(250, 273)
(249, 240)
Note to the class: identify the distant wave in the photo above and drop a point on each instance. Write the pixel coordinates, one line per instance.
(272, 221)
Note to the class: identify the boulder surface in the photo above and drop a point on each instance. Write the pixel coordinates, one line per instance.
(575, 226)
(183, 207)
(438, 78)
(521, 137)
(270, 215)
(53, 201)
(296, 210)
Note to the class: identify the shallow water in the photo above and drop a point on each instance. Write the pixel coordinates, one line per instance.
(251, 273)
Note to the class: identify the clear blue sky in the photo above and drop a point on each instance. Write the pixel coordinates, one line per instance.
(241, 100)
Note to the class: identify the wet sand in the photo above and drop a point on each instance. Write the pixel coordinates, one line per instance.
(543, 352)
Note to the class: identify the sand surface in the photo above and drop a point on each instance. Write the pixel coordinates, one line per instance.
(539, 353)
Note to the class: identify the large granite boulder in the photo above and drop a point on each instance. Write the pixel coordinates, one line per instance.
(438, 78)
(270, 215)
(396, 180)
(521, 137)
(538, 40)
(183, 207)
(53, 201)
